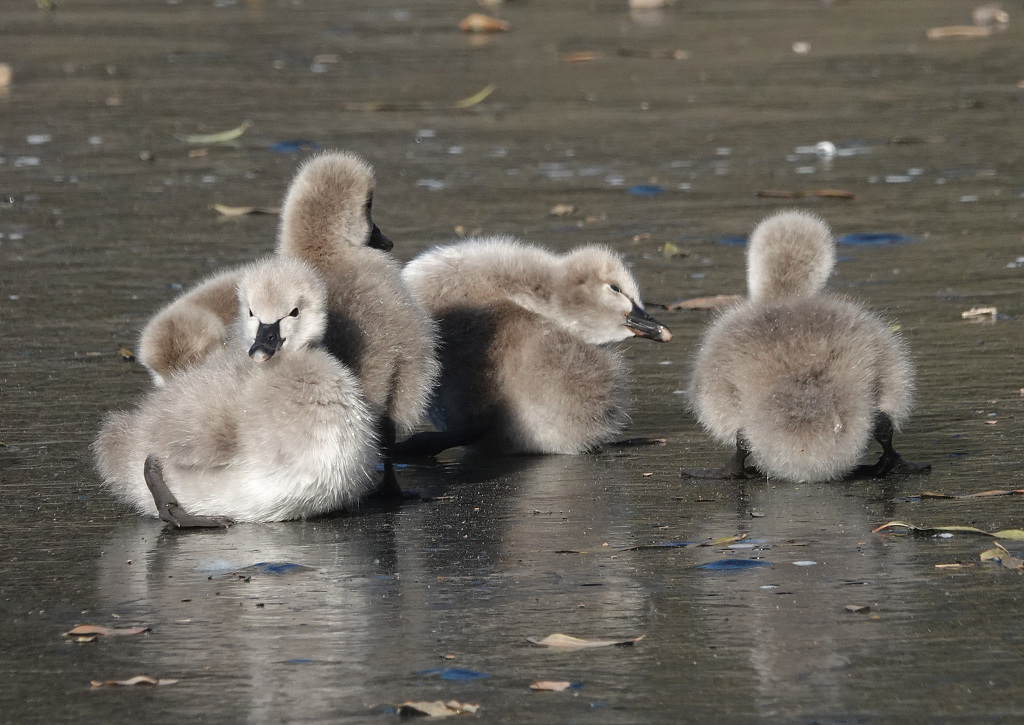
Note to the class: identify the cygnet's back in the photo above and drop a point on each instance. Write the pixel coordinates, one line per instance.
(524, 366)
(798, 374)
(374, 326)
(190, 327)
(268, 428)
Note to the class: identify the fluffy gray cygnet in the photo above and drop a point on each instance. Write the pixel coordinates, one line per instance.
(797, 378)
(525, 365)
(269, 427)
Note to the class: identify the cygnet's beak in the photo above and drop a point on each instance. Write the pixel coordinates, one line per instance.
(268, 341)
(379, 241)
(643, 325)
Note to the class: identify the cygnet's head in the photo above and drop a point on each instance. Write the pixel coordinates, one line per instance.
(282, 306)
(598, 299)
(333, 189)
(790, 254)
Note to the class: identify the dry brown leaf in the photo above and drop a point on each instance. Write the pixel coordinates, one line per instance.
(132, 682)
(550, 686)
(84, 630)
(832, 194)
(565, 641)
(231, 211)
(126, 354)
(704, 303)
(959, 31)
(562, 210)
(438, 708)
(976, 312)
(480, 23)
(580, 57)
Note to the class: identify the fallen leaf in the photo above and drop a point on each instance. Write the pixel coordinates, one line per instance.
(1012, 534)
(438, 708)
(476, 97)
(857, 608)
(126, 354)
(549, 686)
(83, 630)
(6, 74)
(976, 312)
(197, 153)
(562, 210)
(580, 57)
(982, 494)
(722, 541)
(221, 137)
(1001, 556)
(704, 303)
(480, 23)
(671, 249)
(132, 682)
(958, 31)
(233, 211)
(832, 194)
(567, 642)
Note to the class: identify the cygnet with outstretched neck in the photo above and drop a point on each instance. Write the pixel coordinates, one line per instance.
(267, 428)
(799, 379)
(525, 366)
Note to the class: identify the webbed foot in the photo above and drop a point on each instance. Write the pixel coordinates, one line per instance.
(431, 443)
(890, 461)
(734, 469)
(167, 506)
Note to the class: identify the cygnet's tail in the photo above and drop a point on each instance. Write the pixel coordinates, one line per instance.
(119, 460)
(804, 429)
(789, 254)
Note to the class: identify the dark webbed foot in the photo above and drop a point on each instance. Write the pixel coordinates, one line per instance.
(431, 443)
(890, 461)
(734, 468)
(167, 506)
(388, 488)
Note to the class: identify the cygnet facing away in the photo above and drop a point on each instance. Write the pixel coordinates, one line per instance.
(267, 428)
(799, 379)
(524, 364)
(374, 325)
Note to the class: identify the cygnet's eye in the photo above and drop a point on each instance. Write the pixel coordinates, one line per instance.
(250, 313)
(615, 289)
(294, 313)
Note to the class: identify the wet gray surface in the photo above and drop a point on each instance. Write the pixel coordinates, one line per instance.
(94, 238)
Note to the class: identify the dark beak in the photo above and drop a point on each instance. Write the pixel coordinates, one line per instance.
(268, 341)
(379, 241)
(643, 325)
